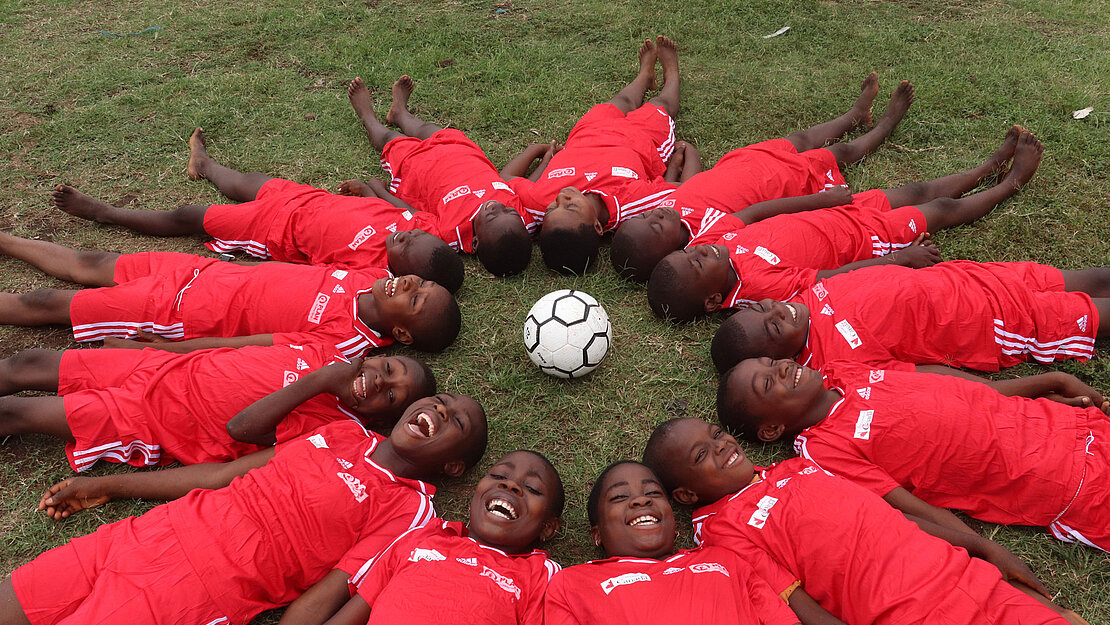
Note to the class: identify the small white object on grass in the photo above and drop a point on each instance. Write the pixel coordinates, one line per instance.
(1081, 113)
(777, 32)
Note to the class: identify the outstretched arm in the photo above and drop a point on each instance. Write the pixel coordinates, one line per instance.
(257, 423)
(1055, 385)
(921, 253)
(835, 196)
(190, 345)
(354, 612)
(909, 503)
(320, 602)
(809, 611)
(518, 166)
(75, 494)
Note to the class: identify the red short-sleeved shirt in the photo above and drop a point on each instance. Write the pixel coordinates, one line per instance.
(448, 175)
(959, 313)
(271, 534)
(151, 407)
(706, 585)
(859, 558)
(197, 297)
(472, 582)
(620, 158)
(298, 223)
(1009, 460)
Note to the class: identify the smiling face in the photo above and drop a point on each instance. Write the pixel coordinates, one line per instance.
(774, 329)
(634, 517)
(383, 387)
(402, 304)
(513, 506)
(708, 463)
(705, 272)
(776, 395)
(408, 251)
(438, 430)
(570, 210)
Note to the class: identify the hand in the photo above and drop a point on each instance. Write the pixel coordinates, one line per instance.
(338, 375)
(1072, 391)
(552, 149)
(72, 495)
(837, 196)
(142, 341)
(1013, 569)
(921, 253)
(356, 188)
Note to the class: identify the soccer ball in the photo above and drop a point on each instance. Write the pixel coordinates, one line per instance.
(567, 333)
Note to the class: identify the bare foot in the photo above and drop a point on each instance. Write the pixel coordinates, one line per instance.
(402, 89)
(668, 57)
(1027, 157)
(900, 102)
(861, 110)
(359, 96)
(198, 154)
(69, 200)
(648, 57)
(1005, 152)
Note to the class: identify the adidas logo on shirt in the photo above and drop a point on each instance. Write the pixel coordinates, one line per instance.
(913, 225)
(301, 364)
(1082, 323)
(480, 192)
(827, 310)
(590, 175)
(338, 289)
(864, 392)
(686, 211)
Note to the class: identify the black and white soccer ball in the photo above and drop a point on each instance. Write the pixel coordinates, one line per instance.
(567, 333)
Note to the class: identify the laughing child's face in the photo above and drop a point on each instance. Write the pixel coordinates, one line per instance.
(774, 329)
(383, 387)
(708, 463)
(705, 273)
(776, 394)
(634, 517)
(440, 430)
(514, 504)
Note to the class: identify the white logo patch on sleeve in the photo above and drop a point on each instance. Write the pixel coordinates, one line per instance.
(289, 378)
(497, 184)
(407, 215)
(316, 313)
(456, 193)
(339, 274)
(1082, 323)
(426, 555)
(763, 509)
(623, 580)
(625, 172)
(863, 424)
(362, 237)
(876, 376)
(767, 255)
(849, 333)
(709, 567)
(560, 173)
(318, 441)
(820, 291)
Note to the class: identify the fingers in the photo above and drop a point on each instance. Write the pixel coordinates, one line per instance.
(47, 498)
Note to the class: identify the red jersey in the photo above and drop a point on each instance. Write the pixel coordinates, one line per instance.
(297, 223)
(1010, 460)
(438, 574)
(855, 555)
(620, 158)
(267, 537)
(780, 256)
(449, 176)
(707, 585)
(759, 172)
(181, 296)
(957, 313)
(151, 407)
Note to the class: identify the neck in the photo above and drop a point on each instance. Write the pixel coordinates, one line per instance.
(730, 281)
(388, 458)
(368, 313)
(820, 408)
(600, 210)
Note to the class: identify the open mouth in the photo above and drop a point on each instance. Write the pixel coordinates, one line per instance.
(716, 252)
(390, 287)
(797, 376)
(423, 426)
(358, 386)
(644, 520)
(793, 312)
(733, 459)
(501, 508)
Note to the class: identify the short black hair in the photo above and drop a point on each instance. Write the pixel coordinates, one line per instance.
(632, 260)
(505, 255)
(383, 423)
(569, 251)
(443, 267)
(733, 415)
(429, 387)
(668, 297)
(654, 457)
(436, 333)
(473, 455)
(559, 501)
(594, 501)
(730, 344)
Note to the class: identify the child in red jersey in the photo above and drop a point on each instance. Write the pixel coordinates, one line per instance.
(151, 407)
(213, 556)
(612, 167)
(490, 565)
(860, 559)
(784, 255)
(958, 313)
(443, 172)
(644, 580)
(796, 173)
(203, 302)
(289, 222)
(981, 446)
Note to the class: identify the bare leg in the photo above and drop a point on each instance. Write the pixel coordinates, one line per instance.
(184, 220)
(30, 370)
(400, 116)
(11, 613)
(34, 415)
(1094, 282)
(90, 268)
(632, 96)
(947, 212)
(41, 307)
(859, 115)
(675, 165)
(668, 59)
(378, 134)
(956, 184)
(232, 183)
(852, 151)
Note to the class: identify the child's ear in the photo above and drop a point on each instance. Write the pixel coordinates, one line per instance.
(713, 302)
(770, 432)
(595, 535)
(685, 496)
(402, 335)
(454, 468)
(599, 228)
(550, 528)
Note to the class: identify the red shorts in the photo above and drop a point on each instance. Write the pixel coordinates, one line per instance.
(131, 571)
(890, 229)
(418, 160)
(648, 129)
(260, 227)
(777, 162)
(106, 422)
(1087, 519)
(147, 297)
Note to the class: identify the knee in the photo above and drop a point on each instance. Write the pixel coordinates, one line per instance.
(188, 217)
(915, 192)
(95, 268)
(30, 362)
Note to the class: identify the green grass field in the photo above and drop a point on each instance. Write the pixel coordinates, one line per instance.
(267, 81)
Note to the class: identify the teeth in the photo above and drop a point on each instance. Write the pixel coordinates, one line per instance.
(732, 459)
(359, 386)
(716, 252)
(797, 376)
(793, 312)
(502, 508)
(428, 423)
(391, 286)
(645, 519)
